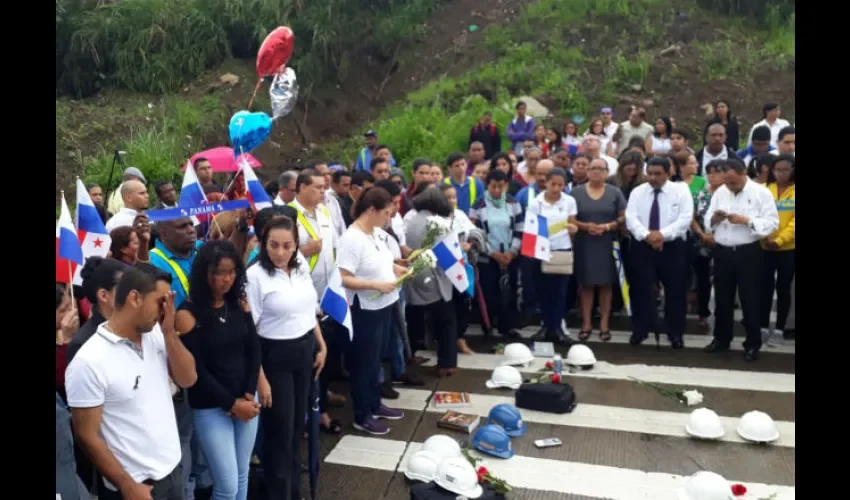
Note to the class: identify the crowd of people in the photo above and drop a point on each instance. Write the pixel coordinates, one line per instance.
(189, 354)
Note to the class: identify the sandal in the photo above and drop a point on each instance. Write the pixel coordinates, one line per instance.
(332, 427)
(584, 335)
(605, 336)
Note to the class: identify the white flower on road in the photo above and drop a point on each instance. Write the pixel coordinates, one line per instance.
(692, 398)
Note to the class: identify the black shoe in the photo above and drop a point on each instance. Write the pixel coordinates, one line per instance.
(789, 334)
(677, 344)
(409, 378)
(387, 392)
(510, 334)
(541, 335)
(751, 354)
(636, 341)
(563, 338)
(203, 493)
(715, 347)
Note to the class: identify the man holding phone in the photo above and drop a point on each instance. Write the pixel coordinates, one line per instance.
(741, 213)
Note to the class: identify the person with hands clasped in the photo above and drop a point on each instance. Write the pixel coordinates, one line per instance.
(740, 215)
(220, 333)
(282, 302)
(120, 396)
(366, 266)
(658, 215)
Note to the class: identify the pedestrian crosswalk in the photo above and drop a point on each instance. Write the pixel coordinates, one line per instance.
(624, 440)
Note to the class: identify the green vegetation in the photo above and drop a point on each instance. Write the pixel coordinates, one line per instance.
(532, 58)
(160, 45)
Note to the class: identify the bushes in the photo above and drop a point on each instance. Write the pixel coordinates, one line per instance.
(160, 45)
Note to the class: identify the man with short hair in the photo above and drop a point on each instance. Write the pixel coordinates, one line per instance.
(380, 169)
(360, 181)
(119, 391)
(421, 173)
(364, 158)
(135, 201)
(635, 126)
(469, 189)
(486, 132)
(116, 201)
(715, 147)
(341, 185)
(679, 139)
(286, 184)
(476, 157)
(771, 113)
(592, 146)
(786, 141)
(759, 145)
(521, 128)
(329, 199)
(166, 194)
(741, 213)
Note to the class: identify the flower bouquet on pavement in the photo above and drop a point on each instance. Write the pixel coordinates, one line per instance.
(686, 397)
(546, 375)
(436, 228)
(500, 486)
(426, 261)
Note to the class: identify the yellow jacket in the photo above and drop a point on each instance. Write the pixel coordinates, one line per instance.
(785, 236)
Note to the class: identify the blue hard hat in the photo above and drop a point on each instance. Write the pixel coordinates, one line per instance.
(493, 440)
(508, 417)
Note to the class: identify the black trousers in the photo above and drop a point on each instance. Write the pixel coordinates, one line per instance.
(702, 271)
(336, 338)
(670, 266)
(501, 307)
(737, 269)
(778, 272)
(288, 365)
(439, 318)
(461, 303)
(168, 488)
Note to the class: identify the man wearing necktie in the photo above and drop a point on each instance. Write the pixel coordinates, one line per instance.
(658, 215)
(740, 214)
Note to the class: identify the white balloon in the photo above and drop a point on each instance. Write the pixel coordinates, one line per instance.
(283, 93)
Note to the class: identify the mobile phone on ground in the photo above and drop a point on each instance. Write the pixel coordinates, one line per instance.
(547, 443)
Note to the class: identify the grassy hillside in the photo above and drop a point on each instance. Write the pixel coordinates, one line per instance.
(572, 55)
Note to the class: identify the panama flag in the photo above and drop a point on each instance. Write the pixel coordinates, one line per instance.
(192, 193)
(256, 194)
(335, 303)
(450, 260)
(535, 237)
(92, 233)
(68, 251)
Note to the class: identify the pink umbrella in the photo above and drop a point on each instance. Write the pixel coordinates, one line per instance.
(222, 159)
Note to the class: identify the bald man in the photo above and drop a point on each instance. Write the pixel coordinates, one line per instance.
(134, 194)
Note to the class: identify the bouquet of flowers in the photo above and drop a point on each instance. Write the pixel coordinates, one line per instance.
(689, 397)
(426, 261)
(500, 486)
(547, 374)
(436, 228)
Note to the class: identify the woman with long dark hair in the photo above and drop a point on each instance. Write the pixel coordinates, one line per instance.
(283, 302)
(780, 253)
(367, 269)
(503, 162)
(220, 334)
(658, 142)
(723, 115)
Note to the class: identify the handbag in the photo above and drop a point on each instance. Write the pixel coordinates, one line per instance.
(560, 262)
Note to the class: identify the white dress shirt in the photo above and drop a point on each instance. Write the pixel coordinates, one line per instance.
(124, 217)
(778, 125)
(753, 201)
(321, 224)
(283, 305)
(336, 214)
(556, 213)
(397, 224)
(367, 256)
(676, 210)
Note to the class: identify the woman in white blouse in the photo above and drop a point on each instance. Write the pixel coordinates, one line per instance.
(367, 269)
(283, 301)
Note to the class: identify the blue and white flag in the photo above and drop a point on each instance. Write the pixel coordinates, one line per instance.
(450, 260)
(335, 303)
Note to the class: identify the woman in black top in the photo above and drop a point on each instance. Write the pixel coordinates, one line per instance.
(723, 115)
(220, 333)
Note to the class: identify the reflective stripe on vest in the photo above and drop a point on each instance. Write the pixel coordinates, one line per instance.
(181, 276)
(472, 189)
(314, 259)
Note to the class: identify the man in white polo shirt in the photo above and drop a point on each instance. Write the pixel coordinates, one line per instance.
(120, 396)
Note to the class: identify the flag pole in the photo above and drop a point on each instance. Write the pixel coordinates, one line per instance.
(70, 273)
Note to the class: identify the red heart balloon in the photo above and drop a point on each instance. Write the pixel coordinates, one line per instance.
(275, 51)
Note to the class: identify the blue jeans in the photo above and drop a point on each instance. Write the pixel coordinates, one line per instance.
(394, 350)
(227, 443)
(552, 291)
(195, 471)
(363, 356)
(529, 270)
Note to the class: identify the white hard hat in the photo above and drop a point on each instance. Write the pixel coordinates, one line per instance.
(505, 376)
(705, 424)
(706, 485)
(580, 355)
(458, 476)
(422, 466)
(517, 354)
(757, 426)
(443, 446)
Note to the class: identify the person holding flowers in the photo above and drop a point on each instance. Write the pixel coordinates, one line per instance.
(430, 293)
(366, 266)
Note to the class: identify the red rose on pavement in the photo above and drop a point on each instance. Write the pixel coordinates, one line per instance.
(549, 364)
(739, 490)
(482, 473)
(556, 379)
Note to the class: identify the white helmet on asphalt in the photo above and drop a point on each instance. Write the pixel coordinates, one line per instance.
(704, 424)
(442, 446)
(757, 426)
(580, 355)
(706, 485)
(458, 476)
(517, 354)
(422, 466)
(505, 377)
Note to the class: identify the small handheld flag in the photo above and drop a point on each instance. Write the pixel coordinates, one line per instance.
(535, 237)
(334, 302)
(450, 260)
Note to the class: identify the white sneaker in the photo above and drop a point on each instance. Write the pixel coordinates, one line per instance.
(774, 338)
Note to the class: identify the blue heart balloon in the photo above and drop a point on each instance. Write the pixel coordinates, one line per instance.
(249, 130)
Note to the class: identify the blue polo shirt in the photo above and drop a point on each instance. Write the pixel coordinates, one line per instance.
(464, 199)
(181, 293)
